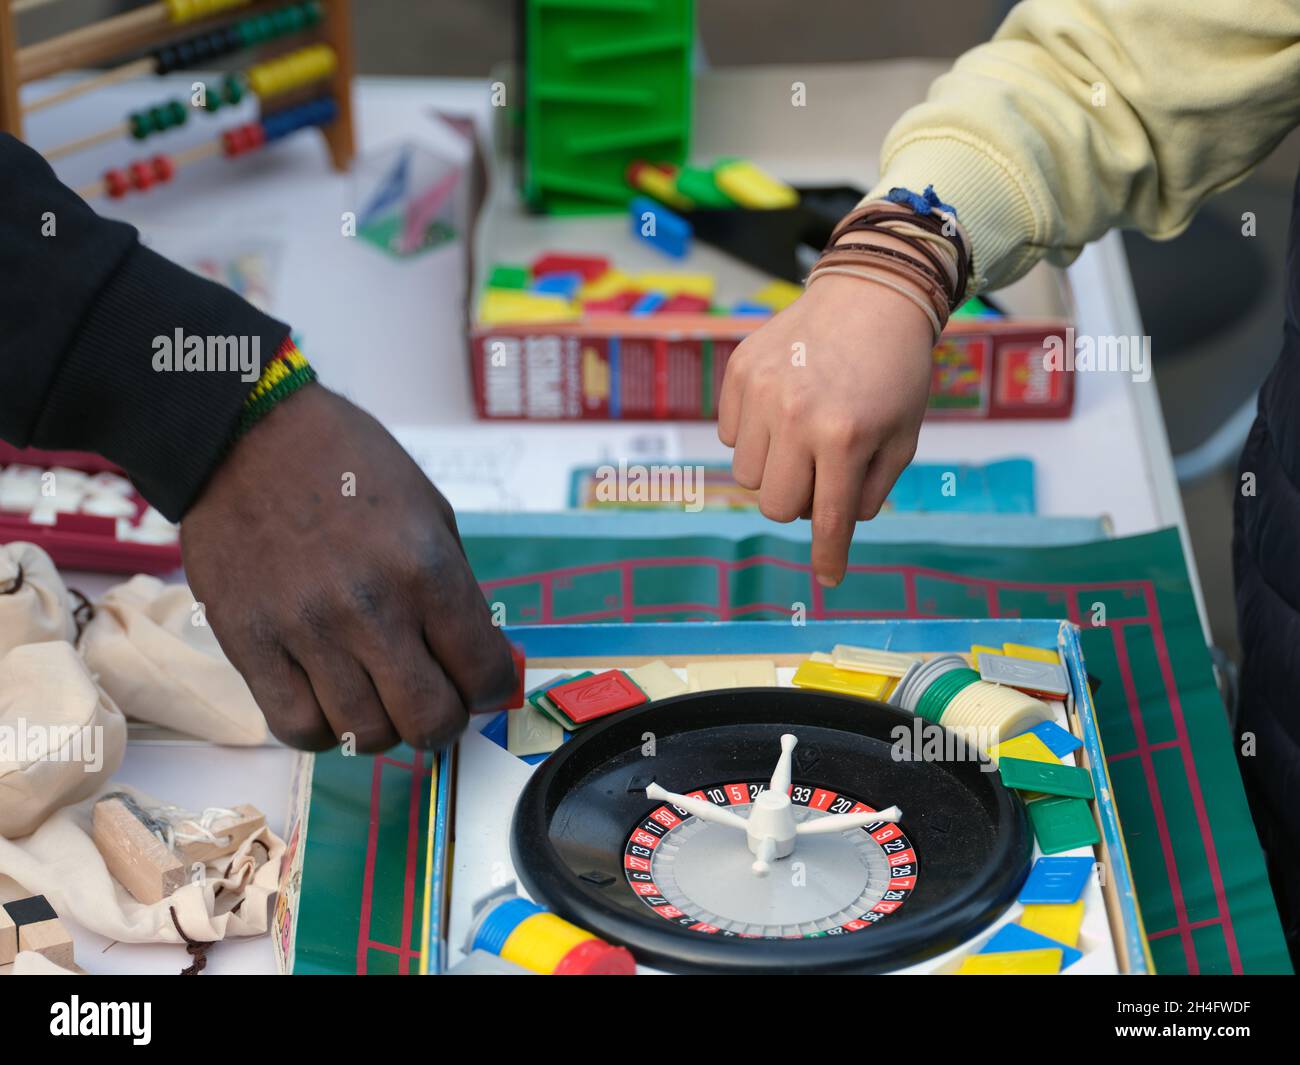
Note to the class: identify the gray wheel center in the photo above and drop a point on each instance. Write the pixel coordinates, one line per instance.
(705, 870)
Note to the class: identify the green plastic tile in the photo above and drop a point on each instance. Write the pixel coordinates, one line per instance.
(1061, 824)
(509, 275)
(1046, 777)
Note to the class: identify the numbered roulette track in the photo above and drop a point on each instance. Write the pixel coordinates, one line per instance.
(680, 891)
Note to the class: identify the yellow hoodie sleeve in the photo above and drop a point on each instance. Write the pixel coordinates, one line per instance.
(1082, 115)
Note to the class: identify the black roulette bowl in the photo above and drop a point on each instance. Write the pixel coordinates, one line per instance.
(965, 837)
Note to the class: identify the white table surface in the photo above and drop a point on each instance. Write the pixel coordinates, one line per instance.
(389, 335)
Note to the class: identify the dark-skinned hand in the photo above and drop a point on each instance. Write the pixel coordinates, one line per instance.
(351, 616)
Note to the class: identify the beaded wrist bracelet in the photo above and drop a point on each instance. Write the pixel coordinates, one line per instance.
(285, 374)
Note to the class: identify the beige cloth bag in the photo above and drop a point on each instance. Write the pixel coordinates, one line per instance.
(154, 653)
(61, 737)
(34, 604)
(234, 897)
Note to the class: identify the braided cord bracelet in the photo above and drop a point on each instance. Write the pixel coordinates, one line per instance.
(286, 373)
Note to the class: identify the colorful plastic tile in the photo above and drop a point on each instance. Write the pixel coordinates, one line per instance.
(508, 275)
(741, 673)
(1039, 678)
(754, 188)
(655, 224)
(589, 266)
(528, 731)
(1013, 963)
(1061, 824)
(1056, 880)
(1012, 937)
(1059, 741)
(870, 660)
(589, 698)
(821, 676)
(670, 284)
(565, 285)
(1058, 921)
(658, 680)
(1046, 778)
(1026, 746)
(1048, 655)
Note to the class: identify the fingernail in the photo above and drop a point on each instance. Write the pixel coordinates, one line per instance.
(827, 582)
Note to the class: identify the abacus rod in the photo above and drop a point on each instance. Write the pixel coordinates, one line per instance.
(179, 160)
(126, 72)
(89, 141)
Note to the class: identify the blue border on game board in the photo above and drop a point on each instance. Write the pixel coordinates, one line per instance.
(756, 637)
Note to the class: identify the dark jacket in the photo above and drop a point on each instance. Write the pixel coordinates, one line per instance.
(81, 303)
(1266, 563)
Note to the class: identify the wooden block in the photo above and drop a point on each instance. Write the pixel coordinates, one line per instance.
(232, 832)
(39, 929)
(8, 937)
(138, 859)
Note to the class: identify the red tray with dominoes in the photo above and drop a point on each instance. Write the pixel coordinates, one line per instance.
(83, 512)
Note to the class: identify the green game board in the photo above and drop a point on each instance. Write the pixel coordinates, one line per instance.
(362, 877)
(1196, 862)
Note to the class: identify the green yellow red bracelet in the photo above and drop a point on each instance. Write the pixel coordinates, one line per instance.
(287, 372)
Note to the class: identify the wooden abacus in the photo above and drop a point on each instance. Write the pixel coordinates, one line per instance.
(309, 81)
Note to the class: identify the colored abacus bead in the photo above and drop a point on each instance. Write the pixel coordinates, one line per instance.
(232, 89)
(163, 168)
(116, 183)
(180, 11)
(142, 175)
(291, 71)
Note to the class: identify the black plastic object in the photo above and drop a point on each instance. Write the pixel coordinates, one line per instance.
(782, 242)
(971, 835)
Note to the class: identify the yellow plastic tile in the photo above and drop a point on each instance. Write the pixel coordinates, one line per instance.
(1026, 746)
(1058, 921)
(677, 284)
(754, 188)
(512, 305)
(709, 676)
(658, 680)
(606, 286)
(1013, 963)
(821, 676)
(1034, 654)
(662, 186)
(777, 294)
(978, 649)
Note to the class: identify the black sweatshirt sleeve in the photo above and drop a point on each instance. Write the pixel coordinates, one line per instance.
(84, 311)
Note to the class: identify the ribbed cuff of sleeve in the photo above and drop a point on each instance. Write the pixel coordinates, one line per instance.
(992, 202)
(157, 378)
